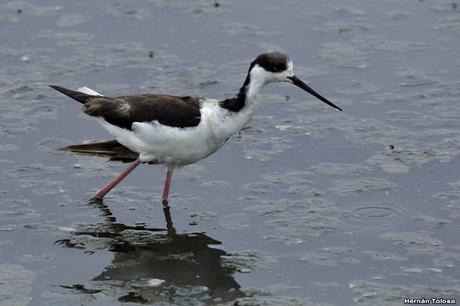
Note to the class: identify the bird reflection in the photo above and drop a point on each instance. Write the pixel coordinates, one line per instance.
(154, 265)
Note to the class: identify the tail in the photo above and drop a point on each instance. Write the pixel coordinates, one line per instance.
(111, 149)
(76, 95)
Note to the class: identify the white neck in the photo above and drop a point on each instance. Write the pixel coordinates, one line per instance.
(240, 110)
(257, 81)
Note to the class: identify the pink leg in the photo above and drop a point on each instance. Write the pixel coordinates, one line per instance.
(101, 194)
(165, 196)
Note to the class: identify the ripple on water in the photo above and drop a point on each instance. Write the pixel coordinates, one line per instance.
(374, 216)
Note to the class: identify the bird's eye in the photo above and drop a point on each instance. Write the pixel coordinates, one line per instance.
(274, 68)
(278, 67)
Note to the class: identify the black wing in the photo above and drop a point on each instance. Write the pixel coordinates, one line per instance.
(123, 111)
(172, 111)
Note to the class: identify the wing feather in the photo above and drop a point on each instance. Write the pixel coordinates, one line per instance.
(168, 110)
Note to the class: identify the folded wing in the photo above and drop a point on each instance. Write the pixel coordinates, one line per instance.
(173, 111)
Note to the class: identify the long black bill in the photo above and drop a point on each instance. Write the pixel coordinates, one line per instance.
(299, 83)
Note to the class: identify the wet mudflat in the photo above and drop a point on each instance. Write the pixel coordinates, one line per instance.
(310, 206)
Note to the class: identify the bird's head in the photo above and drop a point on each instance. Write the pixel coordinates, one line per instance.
(275, 66)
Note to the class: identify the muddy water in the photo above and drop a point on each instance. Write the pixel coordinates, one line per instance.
(309, 206)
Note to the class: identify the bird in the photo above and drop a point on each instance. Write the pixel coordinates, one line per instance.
(180, 130)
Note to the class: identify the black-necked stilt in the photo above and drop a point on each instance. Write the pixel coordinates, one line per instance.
(178, 131)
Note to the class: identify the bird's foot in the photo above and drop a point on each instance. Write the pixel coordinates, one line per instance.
(96, 200)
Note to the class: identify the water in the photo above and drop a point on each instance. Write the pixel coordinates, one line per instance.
(309, 206)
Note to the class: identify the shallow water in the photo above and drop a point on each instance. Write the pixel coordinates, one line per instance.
(309, 206)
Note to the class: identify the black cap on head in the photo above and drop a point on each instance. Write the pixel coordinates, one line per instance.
(273, 61)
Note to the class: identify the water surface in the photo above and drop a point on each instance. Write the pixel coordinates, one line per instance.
(309, 206)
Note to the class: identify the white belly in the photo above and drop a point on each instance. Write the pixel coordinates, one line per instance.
(181, 146)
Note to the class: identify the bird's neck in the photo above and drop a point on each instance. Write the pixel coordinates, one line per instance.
(246, 97)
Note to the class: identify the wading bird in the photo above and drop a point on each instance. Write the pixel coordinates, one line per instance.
(181, 130)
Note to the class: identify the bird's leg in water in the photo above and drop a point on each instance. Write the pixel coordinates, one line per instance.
(115, 181)
(167, 185)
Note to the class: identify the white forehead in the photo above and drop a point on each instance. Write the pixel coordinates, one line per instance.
(290, 67)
